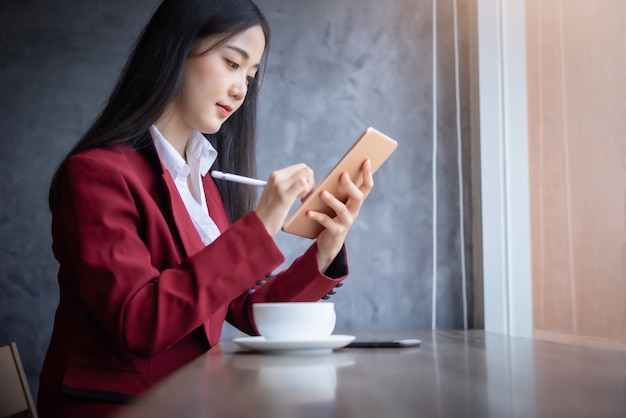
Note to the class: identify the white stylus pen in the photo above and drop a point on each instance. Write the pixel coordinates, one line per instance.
(237, 179)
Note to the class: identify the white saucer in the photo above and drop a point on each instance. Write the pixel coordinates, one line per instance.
(310, 346)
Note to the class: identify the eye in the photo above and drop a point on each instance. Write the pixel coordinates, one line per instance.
(251, 80)
(232, 65)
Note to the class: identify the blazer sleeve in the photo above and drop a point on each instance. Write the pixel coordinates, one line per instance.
(301, 282)
(147, 310)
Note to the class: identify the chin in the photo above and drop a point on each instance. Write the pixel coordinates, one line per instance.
(210, 128)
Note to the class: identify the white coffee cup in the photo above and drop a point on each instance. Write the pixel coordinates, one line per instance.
(294, 321)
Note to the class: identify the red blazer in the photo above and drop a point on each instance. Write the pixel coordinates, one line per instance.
(140, 294)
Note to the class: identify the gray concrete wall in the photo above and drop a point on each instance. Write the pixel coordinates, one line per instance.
(335, 67)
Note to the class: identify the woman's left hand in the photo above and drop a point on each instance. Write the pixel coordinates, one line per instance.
(331, 239)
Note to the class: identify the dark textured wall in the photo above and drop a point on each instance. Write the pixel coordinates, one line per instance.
(335, 67)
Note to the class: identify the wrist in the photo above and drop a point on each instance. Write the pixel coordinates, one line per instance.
(324, 259)
(268, 222)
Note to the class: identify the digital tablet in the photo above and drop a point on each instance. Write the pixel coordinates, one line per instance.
(371, 144)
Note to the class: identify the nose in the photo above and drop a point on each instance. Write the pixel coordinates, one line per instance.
(239, 88)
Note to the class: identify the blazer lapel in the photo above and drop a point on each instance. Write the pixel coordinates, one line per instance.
(189, 236)
(183, 225)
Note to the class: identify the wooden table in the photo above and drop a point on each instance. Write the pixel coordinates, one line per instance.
(452, 374)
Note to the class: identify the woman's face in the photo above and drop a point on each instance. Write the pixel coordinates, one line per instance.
(216, 83)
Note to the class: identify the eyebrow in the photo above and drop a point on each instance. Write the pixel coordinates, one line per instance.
(243, 53)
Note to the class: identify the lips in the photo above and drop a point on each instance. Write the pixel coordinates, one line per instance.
(224, 109)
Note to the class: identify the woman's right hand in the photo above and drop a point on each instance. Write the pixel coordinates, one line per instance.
(282, 189)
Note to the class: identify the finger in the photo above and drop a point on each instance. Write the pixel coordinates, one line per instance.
(289, 179)
(287, 172)
(308, 175)
(305, 178)
(330, 224)
(355, 194)
(299, 187)
(294, 168)
(343, 214)
(368, 178)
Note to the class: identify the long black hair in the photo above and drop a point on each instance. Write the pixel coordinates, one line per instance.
(152, 77)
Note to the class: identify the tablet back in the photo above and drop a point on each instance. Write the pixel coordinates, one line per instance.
(373, 145)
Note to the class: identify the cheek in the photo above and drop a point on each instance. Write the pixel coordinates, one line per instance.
(197, 92)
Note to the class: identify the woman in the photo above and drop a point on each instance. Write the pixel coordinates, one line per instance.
(153, 255)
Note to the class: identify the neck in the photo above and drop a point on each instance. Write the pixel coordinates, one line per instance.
(175, 131)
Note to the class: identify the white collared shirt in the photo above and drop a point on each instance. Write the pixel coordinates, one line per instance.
(200, 157)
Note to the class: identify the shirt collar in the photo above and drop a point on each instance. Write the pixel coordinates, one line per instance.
(198, 148)
(201, 149)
